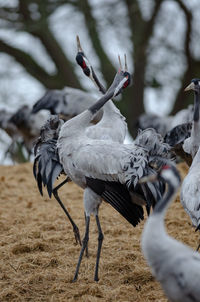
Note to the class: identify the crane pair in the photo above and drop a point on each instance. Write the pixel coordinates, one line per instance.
(95, 158)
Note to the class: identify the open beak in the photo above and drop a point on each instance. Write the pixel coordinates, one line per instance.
(190, 87)
(149, 178)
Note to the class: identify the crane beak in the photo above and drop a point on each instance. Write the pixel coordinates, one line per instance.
(190, 87)
(149, 178)
(79, 48)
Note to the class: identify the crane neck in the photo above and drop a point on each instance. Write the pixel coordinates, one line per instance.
(196, 107)
(163, 204)
(195, 133)
(97, 82)
(196, 159)
(99, 104)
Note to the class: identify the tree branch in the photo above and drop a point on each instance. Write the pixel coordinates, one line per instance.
(64, 66)
(106, 66)
(181, 98)
(41, 30)
(31, 66)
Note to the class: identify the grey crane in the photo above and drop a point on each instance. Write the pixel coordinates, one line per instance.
(94, 189)
(185, 138)
(102, 130)
(46, 173)
(190, 188)
(131, 162)
(22, 126)
(175, 265)
(6, 125)
(28, 124)
(176, 138)
(109, 169)
(190, 197)
(191, 145)
(164, 124)
(111, 115)
(67, 103)
(12, 131)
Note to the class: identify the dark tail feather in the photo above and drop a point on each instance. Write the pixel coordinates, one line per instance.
(119, 198)
(46, 167)
(39, 183)
(35, 167)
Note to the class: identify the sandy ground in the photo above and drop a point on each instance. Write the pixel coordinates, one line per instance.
(38, 253)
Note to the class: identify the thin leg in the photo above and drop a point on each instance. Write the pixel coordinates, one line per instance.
(75, 228)
(198, 247)
(100, 241)
(198, 228)
(84, 244)
(86, 249)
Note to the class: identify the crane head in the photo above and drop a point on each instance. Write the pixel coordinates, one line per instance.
(122, 78)
(87, 68)
(82, 60)
(194, 85)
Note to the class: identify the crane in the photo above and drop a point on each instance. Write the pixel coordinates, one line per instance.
(185, 138)
(176, 137)
(49, 133)
(191, 145)
(105, 169)
(175, 265)
(190, 188)
(22, 126)
(111, 115)
(28, 124)
(6, 125)
(67, 103)
(164, 124)
(94, 189)
(190, 198)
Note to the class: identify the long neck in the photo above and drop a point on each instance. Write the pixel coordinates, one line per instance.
(195, 133)
(99, 104)
(196, 107)
(82, 120)
(196, 159)
(97, 82)
(163, 204)
(155, 240)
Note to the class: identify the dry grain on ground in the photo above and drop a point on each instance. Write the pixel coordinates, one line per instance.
(38, 254)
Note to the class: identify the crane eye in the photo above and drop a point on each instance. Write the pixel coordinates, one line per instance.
(128, 76)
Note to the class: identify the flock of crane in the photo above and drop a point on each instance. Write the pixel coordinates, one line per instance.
(84, 140)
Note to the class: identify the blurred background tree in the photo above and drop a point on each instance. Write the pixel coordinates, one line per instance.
(160, 37)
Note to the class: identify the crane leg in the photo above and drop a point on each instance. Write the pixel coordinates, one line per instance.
(100, 241)
(86, 249)
(198, 247)
(75, 228)
(84, 245)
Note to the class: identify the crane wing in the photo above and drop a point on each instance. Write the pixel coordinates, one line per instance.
(110, 161)
(113, 162)
(46, 167)
(119, 198)
(178, 134)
